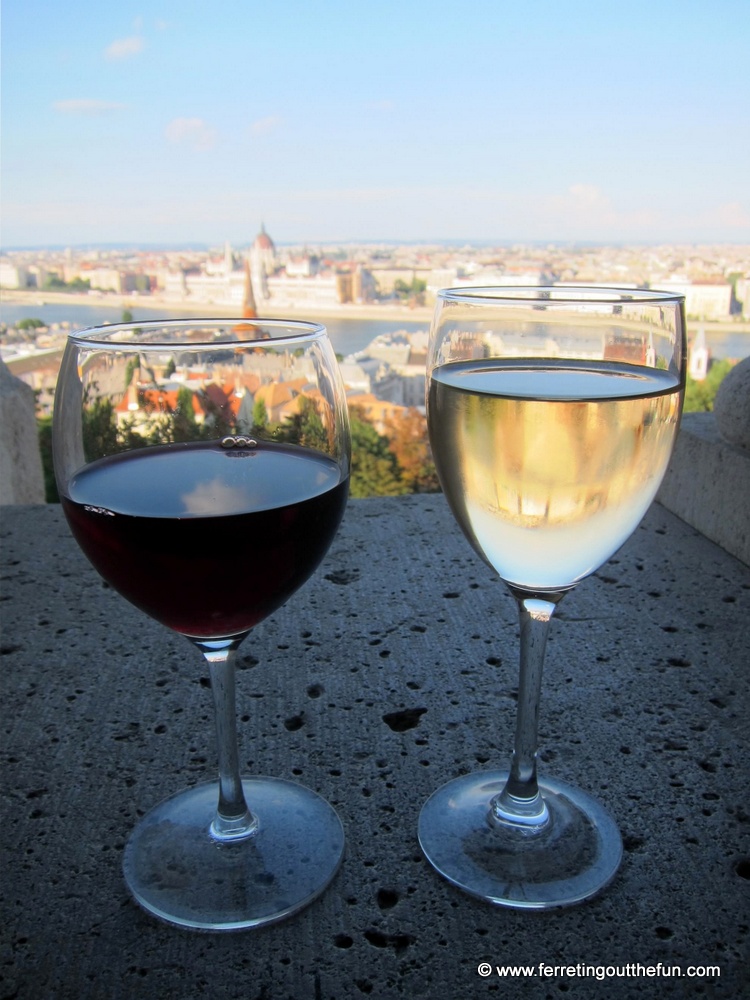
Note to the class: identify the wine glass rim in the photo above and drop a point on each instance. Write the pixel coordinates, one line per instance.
(121, 334)
(560, 295)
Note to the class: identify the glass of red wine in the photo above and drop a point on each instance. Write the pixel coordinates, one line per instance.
(203, 468)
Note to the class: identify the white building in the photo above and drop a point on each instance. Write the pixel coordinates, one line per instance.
(702, 300)
(219, 289)
(320, 290)
(742, 293)
(13, 275)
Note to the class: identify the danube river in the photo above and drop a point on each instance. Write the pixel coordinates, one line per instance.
(348, 334)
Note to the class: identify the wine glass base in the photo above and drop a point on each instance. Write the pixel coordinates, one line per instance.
(177, 871)
(573, 857)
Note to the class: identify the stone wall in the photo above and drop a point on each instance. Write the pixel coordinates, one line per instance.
(21, 477)
(708, 480)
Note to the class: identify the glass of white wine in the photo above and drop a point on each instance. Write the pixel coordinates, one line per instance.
(552, 414)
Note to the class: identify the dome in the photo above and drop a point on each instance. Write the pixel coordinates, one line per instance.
(263, 241)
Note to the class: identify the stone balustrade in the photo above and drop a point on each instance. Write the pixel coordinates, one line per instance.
(21, 478)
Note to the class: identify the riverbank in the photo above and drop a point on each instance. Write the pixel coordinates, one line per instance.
(351, 327)
(371, 311)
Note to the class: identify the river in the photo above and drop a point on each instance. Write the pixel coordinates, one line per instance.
(347, 335)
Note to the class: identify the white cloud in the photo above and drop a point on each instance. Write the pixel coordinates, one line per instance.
(732, 215)
(265, 126)
(585, 209)
(588, 196)
(194, 132)
(124, 48)
(86, 106)
(216, 497)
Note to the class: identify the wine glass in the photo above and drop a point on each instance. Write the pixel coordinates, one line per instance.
(203, 468)
(552, 413)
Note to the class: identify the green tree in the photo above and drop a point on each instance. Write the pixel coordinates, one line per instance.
(375, 469)
(30, 324)
(44, 427)
(699, 396)
(412, 292)
(54, 283)
(127, 316)
(260, 416)
(129, 437)
(305, 427)
(99, 429)
(184, 424)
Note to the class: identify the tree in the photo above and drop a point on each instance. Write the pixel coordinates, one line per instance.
(408, 441)
(305, 427)
(54, 282)
(184, 424)
(375, 469)
(99, 428)
(412, 292)
(260, 416)
(699, 396)
(44, 427)
(127, 316)
(30, 324)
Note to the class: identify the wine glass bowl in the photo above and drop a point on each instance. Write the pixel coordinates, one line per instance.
(203, 469)
(552, 413)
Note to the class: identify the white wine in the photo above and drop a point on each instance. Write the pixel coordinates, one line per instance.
(549, 465)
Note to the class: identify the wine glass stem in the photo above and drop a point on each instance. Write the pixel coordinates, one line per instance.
(233, 820)
(520, 802)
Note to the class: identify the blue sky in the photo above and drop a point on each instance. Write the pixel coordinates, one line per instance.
(172, 121)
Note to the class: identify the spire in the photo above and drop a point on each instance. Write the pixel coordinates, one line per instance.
(249, 309)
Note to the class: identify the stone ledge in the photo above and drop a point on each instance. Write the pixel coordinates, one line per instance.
(708, 485)
(105, 713)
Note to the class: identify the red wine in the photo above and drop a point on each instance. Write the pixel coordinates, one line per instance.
(205, 540)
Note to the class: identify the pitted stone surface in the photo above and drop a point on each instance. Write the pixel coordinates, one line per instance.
(390, 672)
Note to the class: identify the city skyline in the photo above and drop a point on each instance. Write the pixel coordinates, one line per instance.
(148, 123)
